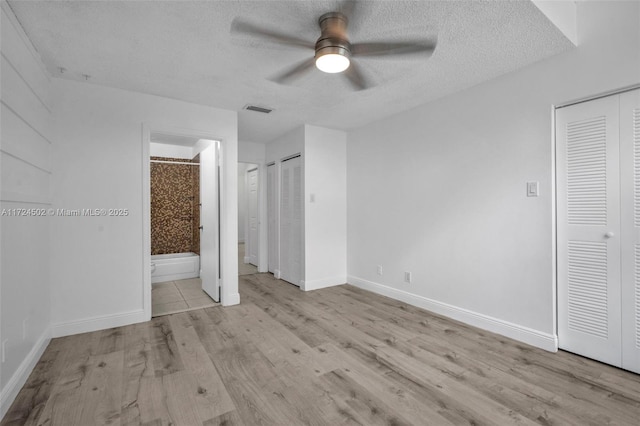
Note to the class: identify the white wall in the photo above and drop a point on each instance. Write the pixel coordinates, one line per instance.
(171, 151)
(25, 175)
(440, 190)
(251, 152)
(325, 218)
(286, 145)
(97, 262)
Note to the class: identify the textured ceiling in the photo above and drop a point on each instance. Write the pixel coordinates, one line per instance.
(184, 50)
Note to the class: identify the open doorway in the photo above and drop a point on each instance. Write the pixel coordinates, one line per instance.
(184, 222)
(248, 218)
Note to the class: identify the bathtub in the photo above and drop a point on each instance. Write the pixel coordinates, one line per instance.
(176, 266)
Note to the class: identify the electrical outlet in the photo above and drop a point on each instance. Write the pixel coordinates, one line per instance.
(3, 349)
(407, 277)
(379, 269)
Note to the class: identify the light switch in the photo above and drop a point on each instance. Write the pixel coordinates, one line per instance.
(532, 189)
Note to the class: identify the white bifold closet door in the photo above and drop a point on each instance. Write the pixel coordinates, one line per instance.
(291, 221)
(272, 222)
(252, 213)
(597, 236)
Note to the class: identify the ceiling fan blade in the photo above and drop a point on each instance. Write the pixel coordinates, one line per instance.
(294, 72)
(244, 27)
(356, 78)
(382, 49)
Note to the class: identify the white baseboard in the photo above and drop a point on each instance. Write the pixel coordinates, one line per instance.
(323, 283)
(527, 335)
(97, 323)
(276, 274)
(19, 378)
(247, 259)
(232, 299)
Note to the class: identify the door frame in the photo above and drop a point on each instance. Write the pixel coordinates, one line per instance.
(262, 212)
(147, 129)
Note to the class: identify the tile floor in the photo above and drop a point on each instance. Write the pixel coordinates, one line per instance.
(178, 296)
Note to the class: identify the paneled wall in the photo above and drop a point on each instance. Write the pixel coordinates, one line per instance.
(175, 207)
(25, 202)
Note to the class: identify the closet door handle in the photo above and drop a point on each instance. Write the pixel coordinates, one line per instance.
(609, 234)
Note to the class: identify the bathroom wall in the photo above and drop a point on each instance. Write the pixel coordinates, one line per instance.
(174, 205)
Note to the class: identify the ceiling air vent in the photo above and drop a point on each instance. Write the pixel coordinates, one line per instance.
(258, 109)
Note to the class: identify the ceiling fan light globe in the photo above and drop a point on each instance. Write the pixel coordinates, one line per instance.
(332, 63)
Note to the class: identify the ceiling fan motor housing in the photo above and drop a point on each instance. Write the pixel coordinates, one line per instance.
(333, 38)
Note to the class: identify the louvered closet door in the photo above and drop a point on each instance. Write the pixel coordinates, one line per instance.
(291, 221)
(589, 229)
(630, 235)
(296, 255)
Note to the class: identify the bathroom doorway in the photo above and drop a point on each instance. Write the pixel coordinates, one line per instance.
(248, 218)
(184, 222)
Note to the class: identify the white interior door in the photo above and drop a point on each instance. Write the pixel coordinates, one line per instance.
(291, 221)
(589, 229)
(630, 231)
(209, 230)
(252, 213)
(272, 224)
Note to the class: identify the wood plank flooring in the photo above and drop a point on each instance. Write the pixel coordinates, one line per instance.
(337, 356)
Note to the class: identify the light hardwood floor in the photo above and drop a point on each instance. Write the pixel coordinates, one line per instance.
(330, 357)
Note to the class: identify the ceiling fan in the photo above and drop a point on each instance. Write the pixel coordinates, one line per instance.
(334, 52)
